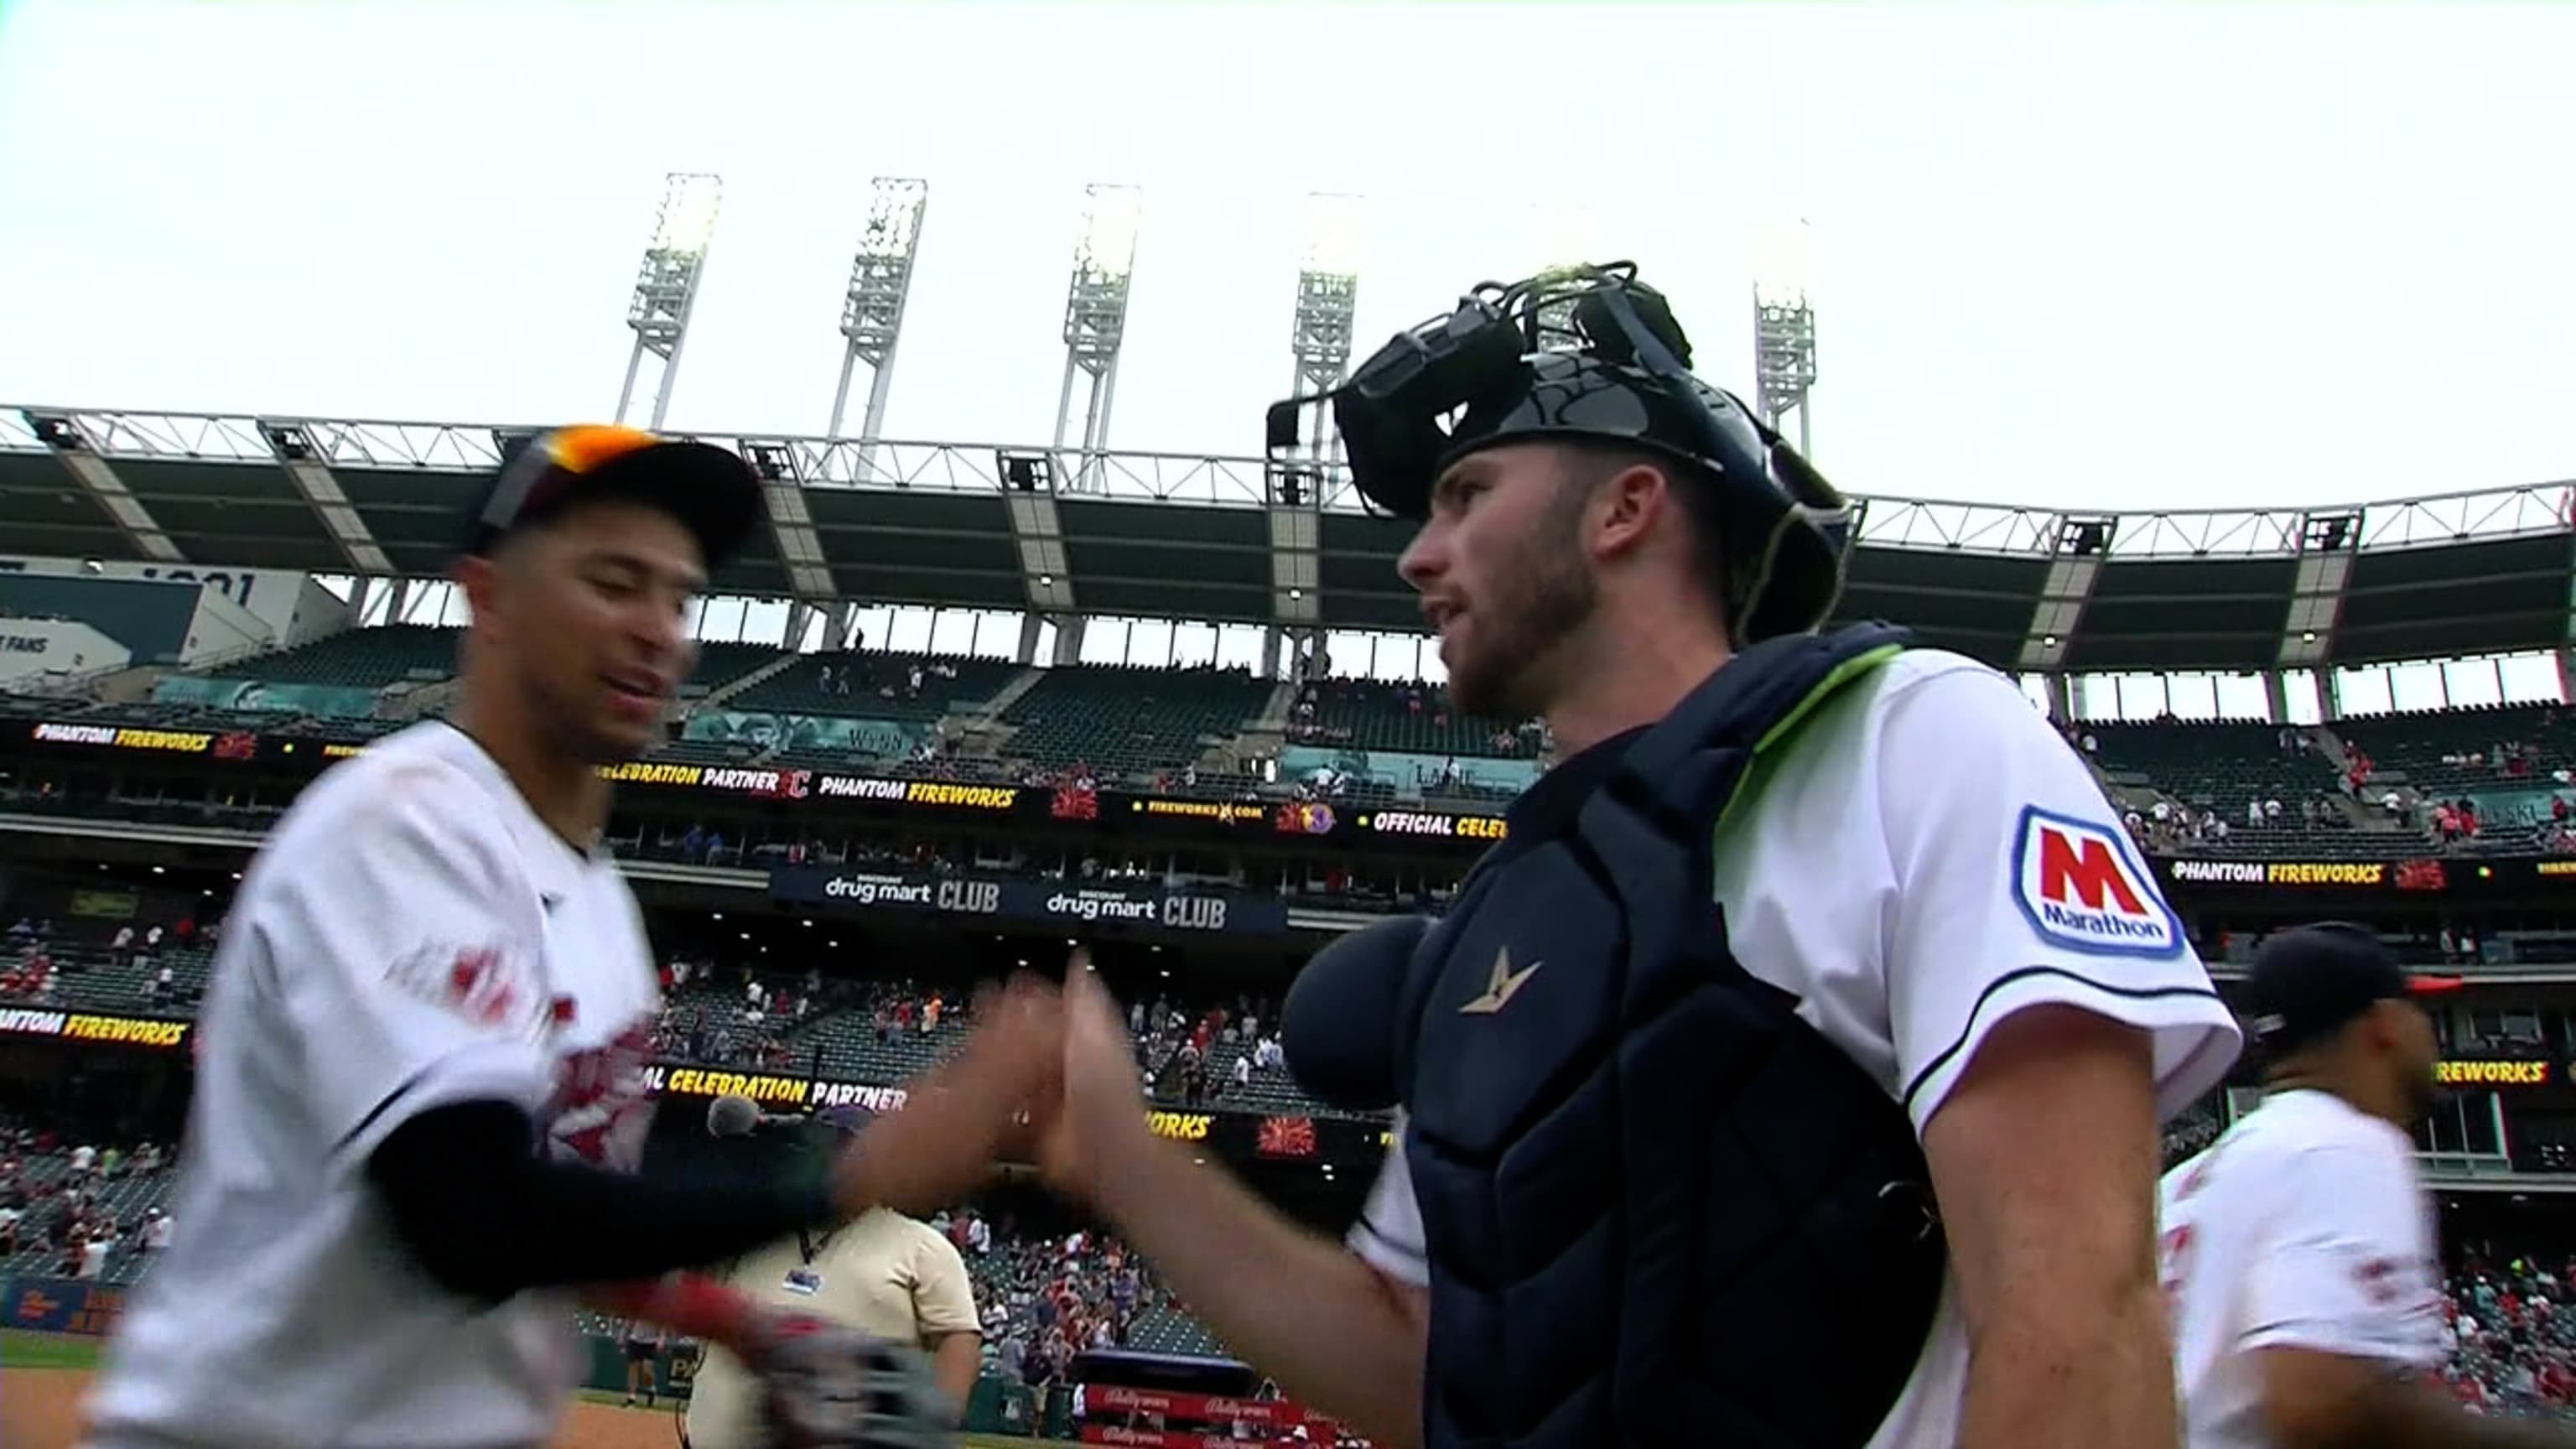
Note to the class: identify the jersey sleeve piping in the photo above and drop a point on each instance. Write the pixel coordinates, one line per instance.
(493, 1071)
(1389, 1254)
(1968, 1028)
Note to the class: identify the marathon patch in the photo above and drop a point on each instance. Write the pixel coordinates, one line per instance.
(2081, 885)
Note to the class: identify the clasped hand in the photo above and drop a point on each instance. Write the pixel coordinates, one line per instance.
(1048, 1074)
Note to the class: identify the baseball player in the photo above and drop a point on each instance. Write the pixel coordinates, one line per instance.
(1804, 933)
(420, 1101)
(886, 1275)
(2298, 1251)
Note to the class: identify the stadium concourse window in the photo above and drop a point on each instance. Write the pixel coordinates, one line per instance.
(2312, 696)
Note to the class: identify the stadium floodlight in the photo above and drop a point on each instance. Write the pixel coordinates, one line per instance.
(1784, 327)
(688, 220)
(1095, 318)
(1562, 233)
(872, 308)
(1111, 218)
(1327, 300)
(666, 285)
(1784, 264)
(1336, 234)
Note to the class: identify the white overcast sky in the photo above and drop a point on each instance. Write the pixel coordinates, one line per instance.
(2107, 255)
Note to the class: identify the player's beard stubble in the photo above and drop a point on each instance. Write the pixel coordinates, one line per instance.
(570, 715)
(1537, 599)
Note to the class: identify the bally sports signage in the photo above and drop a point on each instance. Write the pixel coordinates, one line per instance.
(1176, 908)
(2083, 886)
(92, 1026)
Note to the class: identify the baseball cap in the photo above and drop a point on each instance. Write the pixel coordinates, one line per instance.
(711, 491)
(2309, 981)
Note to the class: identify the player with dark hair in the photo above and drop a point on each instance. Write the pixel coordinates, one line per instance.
(420, 1099)
(1792, 1072)
(2298, 1250)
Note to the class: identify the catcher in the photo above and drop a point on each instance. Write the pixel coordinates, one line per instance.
(420, 1098)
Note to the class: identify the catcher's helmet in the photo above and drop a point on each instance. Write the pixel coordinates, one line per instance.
(1591, 353)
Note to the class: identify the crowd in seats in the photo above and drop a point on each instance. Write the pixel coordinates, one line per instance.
(2513, 1336)
(1047, 1296)
(902, 688)
(2244, 787)
(79, 1209)
(1409, 717)
(1198, 1054)
(1131, 721)
(2440, 754)
(369, 658)
(147, 970)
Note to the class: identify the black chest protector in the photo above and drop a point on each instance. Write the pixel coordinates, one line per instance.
(1656, 1202)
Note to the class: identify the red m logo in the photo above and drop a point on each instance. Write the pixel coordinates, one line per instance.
(2084, 869)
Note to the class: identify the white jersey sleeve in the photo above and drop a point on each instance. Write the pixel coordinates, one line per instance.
(2349, 1268)
(1388, 1236)
(2016, 887)
(408, 957)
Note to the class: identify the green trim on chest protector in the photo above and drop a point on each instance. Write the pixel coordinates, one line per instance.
(1773, 748)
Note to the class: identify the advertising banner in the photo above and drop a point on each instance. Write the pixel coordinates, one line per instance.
(94, 1027)
(1189, 908)
(1236, 1136)
(2424, 875)
(762, 731)
(326, 701)
(2507, 1074)
(1278, 1415)
(1108, 810)
(59, 1305)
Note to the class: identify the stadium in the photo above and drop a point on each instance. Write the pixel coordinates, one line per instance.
(959, 706)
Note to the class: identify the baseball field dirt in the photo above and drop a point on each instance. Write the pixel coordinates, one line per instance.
(40, 1409)
(43, 1376)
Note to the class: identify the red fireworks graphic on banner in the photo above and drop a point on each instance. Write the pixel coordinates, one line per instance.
(1286, 1137)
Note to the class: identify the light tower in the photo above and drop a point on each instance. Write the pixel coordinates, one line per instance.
(1784, 328)
(666, 285)
(872, 312)
(1328, 288)
(1095, 317)
(1304, 443)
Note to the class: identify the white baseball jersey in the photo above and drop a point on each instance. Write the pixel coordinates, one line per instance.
(2305, 1226)
(1926, 861)
(412, 936)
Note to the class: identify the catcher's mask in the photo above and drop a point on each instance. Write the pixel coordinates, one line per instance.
(1588, 352)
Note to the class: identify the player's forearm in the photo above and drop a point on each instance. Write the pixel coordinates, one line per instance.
(1301, 1307)
(954, 1364)
(2408, 1415)
(486, 1218)
(2052, 1372)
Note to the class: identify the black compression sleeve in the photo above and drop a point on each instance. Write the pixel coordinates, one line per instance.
(486, 1216)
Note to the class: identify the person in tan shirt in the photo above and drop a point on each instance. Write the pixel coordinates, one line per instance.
(883, 1274)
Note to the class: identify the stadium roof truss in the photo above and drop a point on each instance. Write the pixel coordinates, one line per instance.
(1192, 536)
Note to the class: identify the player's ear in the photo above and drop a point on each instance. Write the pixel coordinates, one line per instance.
(485, 578)
(2386, 1024)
